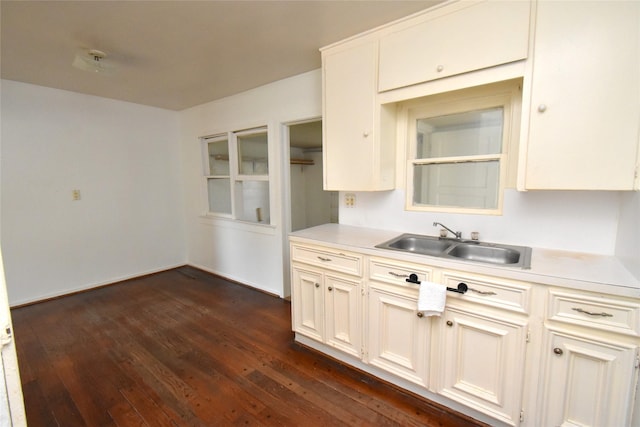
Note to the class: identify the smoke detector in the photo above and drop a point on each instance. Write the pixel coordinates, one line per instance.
(93, 60)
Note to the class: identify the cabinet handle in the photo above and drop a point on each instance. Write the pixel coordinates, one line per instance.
(603, 314)
(324, 259)
(558, 351)
(482, 292)
(365, 134)
(330, 288)
(398, 275)
(420, 314)
(317, 285)
(449, 323)
(542, 108)
(439, 68)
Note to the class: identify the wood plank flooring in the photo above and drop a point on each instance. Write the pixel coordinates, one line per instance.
(187, 348)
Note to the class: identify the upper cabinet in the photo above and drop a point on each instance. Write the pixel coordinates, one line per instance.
(580, 68)
(357, 155)
(454, 39)
(581, 109)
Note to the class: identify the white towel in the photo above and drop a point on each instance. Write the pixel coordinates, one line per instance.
(432, 298)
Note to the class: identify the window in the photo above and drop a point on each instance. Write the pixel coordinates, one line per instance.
(237, 175)
(458, 153)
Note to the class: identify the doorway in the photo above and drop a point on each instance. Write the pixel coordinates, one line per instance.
(306, 204)
(310, 204)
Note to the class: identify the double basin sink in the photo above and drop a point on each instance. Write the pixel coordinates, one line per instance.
(469, 250)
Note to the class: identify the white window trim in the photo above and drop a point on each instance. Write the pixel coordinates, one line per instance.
(219, 218)
(502, 95)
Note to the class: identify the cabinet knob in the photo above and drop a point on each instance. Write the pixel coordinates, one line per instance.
(542, 108)
(365, 134)
(420, 314)
(449, 323)
(330, 288)
(317, 285)
(439, 68)
(558, 351)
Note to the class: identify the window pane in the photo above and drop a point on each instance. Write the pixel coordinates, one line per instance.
(463, 134)
(252, 201)
(469, 185)
(253, 155)
(219, 191)
(218, 157)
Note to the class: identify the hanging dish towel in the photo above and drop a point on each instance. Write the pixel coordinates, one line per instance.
(432, 298)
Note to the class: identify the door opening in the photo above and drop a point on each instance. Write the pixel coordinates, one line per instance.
(305, 203)
(310, 204)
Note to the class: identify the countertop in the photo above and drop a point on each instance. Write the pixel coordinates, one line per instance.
(584, 271)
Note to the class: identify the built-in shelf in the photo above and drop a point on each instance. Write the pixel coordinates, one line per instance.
(303, 162)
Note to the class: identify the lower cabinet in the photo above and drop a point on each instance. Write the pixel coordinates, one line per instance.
(513, 353)
(587, 381)
(399, 336)
(327, 308)
(590, 359)
(482, 361)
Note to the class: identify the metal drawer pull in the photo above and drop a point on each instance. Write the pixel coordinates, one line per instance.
(482, 292)
(603, 314)
(420, 314)
(398, 274)
(558, 351)
(324, 259)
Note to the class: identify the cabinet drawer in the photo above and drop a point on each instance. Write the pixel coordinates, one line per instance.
(329, 259)
(608, 314)
(397, 273)
(488, 291)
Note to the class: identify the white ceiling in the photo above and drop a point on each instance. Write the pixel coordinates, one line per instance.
(177, 54)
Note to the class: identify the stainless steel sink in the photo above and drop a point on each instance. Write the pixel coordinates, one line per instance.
(482, 253)
(420, 244)
(468, 250)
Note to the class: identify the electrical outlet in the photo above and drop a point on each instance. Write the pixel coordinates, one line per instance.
(350, 200)
(75, 194)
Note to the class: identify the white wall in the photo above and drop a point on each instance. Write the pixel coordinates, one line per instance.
(123, 158)
(310, 204)
(322, 206)
(250, 254)
(297, 178)
(575, 221)
(628, 241)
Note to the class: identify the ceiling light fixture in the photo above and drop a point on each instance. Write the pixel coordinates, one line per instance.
(93, 60)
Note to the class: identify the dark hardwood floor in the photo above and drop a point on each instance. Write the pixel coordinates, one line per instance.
(186, 348)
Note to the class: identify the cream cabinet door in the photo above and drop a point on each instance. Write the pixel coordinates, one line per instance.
(307, 302)
(588, 382)
(343, 317)
(584, 100)
(327, 308)
(398, 336)
(456, 39)
(356, 157)
(481, 362)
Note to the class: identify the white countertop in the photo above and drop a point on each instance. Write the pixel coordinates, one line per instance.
(589, 272)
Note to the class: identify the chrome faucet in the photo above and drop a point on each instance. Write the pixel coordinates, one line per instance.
(458, 234)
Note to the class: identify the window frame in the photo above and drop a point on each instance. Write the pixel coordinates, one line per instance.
(235, 177)
(456, 103)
